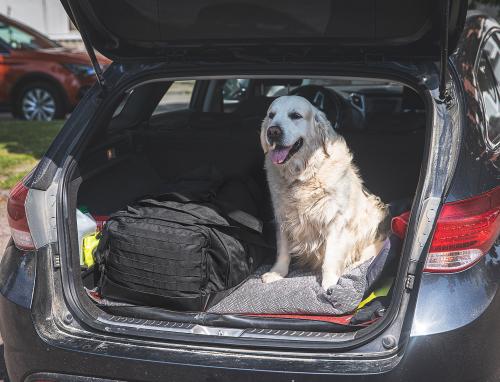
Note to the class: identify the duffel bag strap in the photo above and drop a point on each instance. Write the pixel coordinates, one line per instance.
(101, 253)
(238, 216)
(103, 247)
(248, 236)
(241, 217)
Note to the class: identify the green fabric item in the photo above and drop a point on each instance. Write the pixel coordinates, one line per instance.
(83, 209)
(380, 292)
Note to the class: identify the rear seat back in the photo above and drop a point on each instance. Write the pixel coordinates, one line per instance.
(226, 141)
(388, 153)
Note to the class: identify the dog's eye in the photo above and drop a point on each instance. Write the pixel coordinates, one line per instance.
(295, 115)
(271, 115)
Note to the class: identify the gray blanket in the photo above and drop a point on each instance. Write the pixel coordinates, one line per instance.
(298, 293)
(301, 293)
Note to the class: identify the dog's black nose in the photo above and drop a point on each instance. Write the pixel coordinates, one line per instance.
(274, 133)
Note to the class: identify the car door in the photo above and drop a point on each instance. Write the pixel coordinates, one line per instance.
(4, 68)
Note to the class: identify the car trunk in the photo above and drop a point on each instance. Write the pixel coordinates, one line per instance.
(138, 154)
(134, 155)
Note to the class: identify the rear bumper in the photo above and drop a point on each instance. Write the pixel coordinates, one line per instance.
(459, 356)
(34, 343)
(49, 349)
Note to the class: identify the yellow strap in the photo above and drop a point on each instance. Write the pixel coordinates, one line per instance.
(89, 245)
(380, 292)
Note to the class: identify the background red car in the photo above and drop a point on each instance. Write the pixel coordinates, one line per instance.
(40, 79)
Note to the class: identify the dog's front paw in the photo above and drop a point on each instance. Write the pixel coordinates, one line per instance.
(270, 277)
(329, 281)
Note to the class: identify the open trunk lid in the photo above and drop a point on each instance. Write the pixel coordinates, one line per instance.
(162, 30)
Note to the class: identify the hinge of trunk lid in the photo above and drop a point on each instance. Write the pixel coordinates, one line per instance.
(445, 16)
(88, 46)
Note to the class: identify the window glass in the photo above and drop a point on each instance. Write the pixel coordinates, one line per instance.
(4, 48)
(488, 74)
(336, 84)
(235, 90)
(177, 97)
(16, 38)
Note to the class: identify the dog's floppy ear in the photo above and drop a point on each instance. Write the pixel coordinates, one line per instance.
(263, 141)
(323, 128)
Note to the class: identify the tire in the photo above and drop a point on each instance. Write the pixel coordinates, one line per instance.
(39, 100)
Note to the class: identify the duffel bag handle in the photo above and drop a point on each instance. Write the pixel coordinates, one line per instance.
(239, 216)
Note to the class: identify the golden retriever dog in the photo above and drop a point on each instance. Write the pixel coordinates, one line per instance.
(325, 217)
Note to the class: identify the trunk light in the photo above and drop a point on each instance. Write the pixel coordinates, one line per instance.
(18, 221)
(465, 232)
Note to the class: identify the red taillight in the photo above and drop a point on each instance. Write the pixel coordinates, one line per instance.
(18, 221)
(464, 232)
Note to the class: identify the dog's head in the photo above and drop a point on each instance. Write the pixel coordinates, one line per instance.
(293, 130)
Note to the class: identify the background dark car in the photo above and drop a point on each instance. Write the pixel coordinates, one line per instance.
(413, 86)
(40, 79)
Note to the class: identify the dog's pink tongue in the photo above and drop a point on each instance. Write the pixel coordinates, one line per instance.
(278, 156)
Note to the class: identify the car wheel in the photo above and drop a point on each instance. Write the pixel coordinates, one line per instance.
(39, 101)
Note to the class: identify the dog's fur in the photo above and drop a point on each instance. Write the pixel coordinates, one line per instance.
(325, 217)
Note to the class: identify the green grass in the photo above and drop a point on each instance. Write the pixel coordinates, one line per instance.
(22, 144)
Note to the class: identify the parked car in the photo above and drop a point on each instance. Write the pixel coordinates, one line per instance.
(40, 80)
(433, 138)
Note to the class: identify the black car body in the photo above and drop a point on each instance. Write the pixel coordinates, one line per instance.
(443, 325)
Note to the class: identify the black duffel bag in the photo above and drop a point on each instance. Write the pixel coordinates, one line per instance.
(180, 252)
